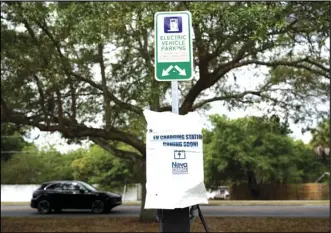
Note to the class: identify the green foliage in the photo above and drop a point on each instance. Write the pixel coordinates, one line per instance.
(95, 166)
(321, 139)
(22, 168)
(36, 166)
(98, 166)
(311, 167)
(321, 134)
(56, 165)
(256, 150)
(12, 140)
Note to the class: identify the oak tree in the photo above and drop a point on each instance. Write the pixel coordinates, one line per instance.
(66, 67)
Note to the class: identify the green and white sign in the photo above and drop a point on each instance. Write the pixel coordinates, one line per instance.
(173, 46)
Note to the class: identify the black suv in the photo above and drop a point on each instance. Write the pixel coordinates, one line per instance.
(58, 195)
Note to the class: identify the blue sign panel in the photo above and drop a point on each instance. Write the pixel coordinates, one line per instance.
(173, 24)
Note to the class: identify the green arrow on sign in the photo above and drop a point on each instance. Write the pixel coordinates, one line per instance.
(166, 72)
(173, 46)
(181, 71)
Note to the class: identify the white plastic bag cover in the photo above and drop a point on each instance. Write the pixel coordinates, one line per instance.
(174, 166)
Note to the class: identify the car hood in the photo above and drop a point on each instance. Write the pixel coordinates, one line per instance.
(110, 194)
(114, 194)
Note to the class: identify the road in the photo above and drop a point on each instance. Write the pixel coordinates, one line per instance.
(228, 211)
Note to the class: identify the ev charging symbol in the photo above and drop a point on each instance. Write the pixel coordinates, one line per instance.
(173, 24)
(179, 154)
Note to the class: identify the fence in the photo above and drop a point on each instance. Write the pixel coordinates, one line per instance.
(309, 191)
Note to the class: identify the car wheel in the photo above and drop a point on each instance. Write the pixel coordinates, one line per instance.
(44, 207)
(98, 207)
(227, 197)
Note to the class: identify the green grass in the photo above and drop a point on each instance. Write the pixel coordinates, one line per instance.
(271, 202)
(222, 203)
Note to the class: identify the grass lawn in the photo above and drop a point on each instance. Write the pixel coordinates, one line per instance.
(130, 224)
(271, 202)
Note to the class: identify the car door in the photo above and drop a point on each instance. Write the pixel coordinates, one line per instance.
(77, 196)
(71, 196)
(54, 192)
(85, 197)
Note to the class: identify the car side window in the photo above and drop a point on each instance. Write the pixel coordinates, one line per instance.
(71, 186)
(56, 186)
(68, 186)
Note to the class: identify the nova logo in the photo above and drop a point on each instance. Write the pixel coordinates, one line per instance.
(179, 168)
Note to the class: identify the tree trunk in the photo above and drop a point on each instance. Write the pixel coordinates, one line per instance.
(149, 214)
(252, 185)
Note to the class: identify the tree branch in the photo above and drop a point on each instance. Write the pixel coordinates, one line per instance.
(207, 80)
(296, 64)
(317, 64)
(222, 46)
(218, 98)
(122, 104)
(122, 154)
(142, 39)
(70, 129)
(201, 85)
(106, 97)
(226, 67)
(227, 97)
(73, 100)
(34, 38)
(5, 111)
(42, 96)
(59, 107)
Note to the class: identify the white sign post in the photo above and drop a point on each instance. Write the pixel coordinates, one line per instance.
(173, 189)
(173, 50)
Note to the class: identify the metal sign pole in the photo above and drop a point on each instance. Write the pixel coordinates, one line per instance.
(174, 96)
(173, 62)
(176, 220)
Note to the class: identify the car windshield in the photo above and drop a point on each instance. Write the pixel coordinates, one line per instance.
(42, 186)
(88, 186)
